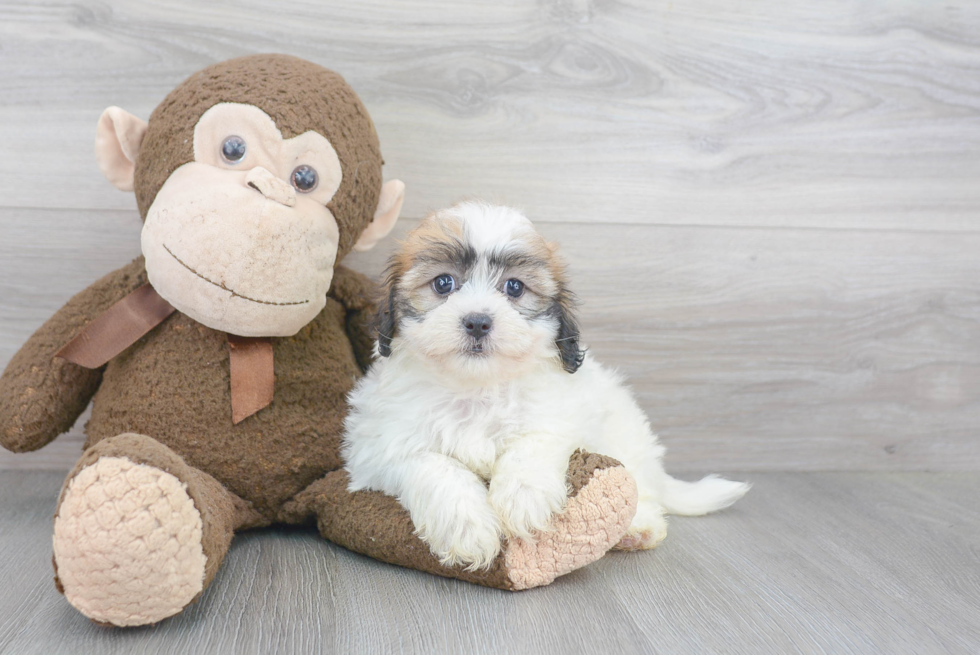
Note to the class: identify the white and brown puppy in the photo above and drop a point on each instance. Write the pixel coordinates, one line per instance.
(472, 411)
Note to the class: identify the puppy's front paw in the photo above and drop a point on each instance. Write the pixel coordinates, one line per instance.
(526, 506)
(466, 534)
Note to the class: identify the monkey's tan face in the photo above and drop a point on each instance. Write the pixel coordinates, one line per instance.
(240, 239)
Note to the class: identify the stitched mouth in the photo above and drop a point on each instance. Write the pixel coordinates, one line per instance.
(234, 294)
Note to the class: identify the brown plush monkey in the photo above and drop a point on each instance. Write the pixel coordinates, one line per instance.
(219, 362)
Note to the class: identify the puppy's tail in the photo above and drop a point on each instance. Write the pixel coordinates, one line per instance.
(696, 498)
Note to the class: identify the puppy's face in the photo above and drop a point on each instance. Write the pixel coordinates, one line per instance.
(480, 295)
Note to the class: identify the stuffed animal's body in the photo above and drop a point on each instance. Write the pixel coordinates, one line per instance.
(218, 366)
(174, 386)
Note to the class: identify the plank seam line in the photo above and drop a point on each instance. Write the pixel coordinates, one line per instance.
(715, 226)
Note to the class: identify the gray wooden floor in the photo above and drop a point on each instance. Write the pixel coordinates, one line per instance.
(807, 562)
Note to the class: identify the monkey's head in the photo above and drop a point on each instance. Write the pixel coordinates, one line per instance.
(254, 178)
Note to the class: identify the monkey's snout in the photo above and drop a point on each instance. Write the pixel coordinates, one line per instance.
(271, 186)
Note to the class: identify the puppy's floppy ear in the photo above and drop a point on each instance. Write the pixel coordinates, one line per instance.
(387, 319)
(567, 339)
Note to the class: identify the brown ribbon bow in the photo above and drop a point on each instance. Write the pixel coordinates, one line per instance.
(120, 326)
(252, 375)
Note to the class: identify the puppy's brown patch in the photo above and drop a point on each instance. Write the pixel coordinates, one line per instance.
(437, 232)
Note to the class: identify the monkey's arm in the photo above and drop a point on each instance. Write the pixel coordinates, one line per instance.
(41, 396)
(357, 293)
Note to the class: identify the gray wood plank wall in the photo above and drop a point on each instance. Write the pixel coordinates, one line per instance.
(771, 210)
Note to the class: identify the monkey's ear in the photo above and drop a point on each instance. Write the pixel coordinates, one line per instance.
(389, 206)
(117, 142)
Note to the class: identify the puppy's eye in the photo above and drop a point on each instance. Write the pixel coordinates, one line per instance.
(304, 178)
(233, 149)
(514, 288)
(444, 284)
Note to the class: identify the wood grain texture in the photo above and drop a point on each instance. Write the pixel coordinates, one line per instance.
(806, 563)
(771, 215)
(761, 349)
(840, 114)
(771, 210)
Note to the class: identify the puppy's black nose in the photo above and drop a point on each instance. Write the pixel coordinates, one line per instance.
(477, 325)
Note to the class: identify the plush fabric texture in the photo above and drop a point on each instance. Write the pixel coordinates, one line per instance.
(234, 260)
(582, 467)
(594, 521)
(117, 329)
(152, 389)
(40, 396)
(253, 375)
(601, 504)
(149, 390)
(108, 566)
(222, 512)
(319, 100)
(165, 403)
(117, 140)
(341, 517)
(148, 512)
(127, 543)
(269, 158)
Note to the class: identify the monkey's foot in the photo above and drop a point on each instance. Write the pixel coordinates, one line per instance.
(596, 516)
(128, 543)
(601, 504)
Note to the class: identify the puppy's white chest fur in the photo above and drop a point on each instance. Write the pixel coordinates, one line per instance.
(475, 429)
(398, 410)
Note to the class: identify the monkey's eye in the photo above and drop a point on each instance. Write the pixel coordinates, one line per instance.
(514, 288)
(304, 178)
(233, 149)
(444, 284)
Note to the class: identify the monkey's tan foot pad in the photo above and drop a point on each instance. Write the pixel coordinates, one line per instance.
(594, 520)
(127, 543)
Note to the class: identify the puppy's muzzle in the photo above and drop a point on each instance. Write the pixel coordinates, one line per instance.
(477, 325)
